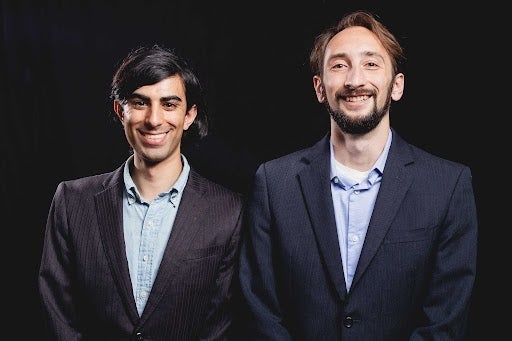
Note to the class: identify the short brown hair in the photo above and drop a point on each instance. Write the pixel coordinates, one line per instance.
(358, 18)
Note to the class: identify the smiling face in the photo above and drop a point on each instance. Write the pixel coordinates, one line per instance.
(154, 118)
(357, 84)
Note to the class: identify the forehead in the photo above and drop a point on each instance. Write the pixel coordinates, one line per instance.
(172, 85)
(353, 42)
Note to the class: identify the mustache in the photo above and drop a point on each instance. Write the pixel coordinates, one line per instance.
(354, 92)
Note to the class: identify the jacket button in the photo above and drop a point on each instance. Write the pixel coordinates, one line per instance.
(139, 337)
(348, 321)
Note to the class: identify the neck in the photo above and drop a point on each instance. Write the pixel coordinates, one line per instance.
(359, 152)
(154, 178)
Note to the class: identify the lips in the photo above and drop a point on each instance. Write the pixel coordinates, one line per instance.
(154, 138)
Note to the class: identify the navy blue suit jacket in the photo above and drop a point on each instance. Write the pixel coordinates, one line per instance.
(416, 271)
(84, 279)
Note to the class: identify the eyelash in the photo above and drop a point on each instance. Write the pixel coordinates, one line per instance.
(141, 103)
(371, 65)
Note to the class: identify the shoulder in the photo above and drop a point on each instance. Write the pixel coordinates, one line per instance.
(214, 190)
(304, 156)
(92, 183)
(423, 161)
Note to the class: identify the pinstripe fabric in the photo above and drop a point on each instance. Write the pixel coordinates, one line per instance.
(84, 249)
(417, 267)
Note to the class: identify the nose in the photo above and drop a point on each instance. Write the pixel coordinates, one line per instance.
(355, 78)
(154, 116)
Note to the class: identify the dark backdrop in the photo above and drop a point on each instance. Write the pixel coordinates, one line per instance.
(57, 60)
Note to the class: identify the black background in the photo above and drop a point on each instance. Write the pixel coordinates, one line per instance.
(58, 57)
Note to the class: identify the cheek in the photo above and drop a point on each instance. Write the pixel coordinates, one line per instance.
(127, 122)
(134, 117)
(331, 85)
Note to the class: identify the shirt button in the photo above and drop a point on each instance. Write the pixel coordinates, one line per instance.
(145, 258)
(144, 294)
(356, 191)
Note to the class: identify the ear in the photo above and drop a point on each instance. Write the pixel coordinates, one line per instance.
(118, 109)
(398, 87)
(319, 89)
(190, 116)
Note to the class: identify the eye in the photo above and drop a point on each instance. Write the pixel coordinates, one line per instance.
(372, 65)
(339, 66)
(137, 103)
(169, 105)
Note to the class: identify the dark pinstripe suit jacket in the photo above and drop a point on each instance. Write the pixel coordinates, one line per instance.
(416, 270)
(84, 281)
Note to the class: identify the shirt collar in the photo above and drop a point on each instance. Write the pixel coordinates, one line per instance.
(378, 167)
(133, 192)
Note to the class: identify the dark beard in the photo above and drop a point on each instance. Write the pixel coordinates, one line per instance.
(359, 126)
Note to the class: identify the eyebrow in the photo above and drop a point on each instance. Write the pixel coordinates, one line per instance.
(364, 53)
(374, 54)
(162, 99)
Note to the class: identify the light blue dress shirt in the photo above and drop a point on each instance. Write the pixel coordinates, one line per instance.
(147, 227)
(353, 205)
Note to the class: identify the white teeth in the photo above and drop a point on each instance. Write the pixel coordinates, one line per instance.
(357, 98)
(154, 137)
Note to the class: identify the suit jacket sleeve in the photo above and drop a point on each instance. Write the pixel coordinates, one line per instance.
(56, 282)
(256, 269)
(219, 320)
(450, 289)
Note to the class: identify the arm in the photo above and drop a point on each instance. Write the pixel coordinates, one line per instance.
(219, 321)
(55, 278)
(448, 299)
(257, 276)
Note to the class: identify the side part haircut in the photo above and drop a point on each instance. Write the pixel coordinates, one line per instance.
(148, 65)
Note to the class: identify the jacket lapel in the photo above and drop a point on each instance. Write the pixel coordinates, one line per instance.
(395, 183)
(185, 227)
(109, 209)
(316, 187)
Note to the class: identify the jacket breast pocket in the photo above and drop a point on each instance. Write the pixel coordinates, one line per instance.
(201, 266)
(197, 254)
(409, 235)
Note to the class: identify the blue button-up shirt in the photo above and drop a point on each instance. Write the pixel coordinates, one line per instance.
(353, 205)
(147, 227)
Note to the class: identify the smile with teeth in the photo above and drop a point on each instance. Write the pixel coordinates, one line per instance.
(154, 136)
(356, 98)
